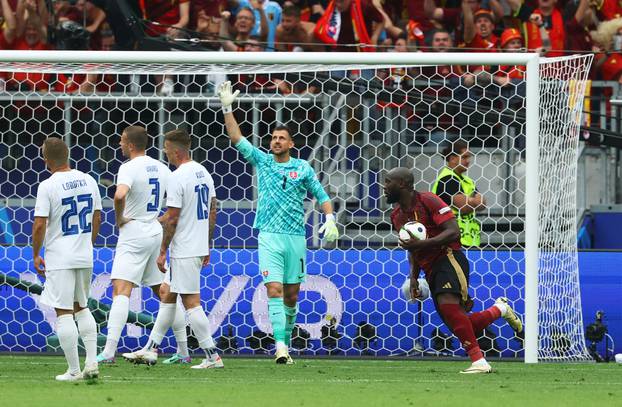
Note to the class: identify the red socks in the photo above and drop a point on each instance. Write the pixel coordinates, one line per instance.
(481, 320)
(460, 324)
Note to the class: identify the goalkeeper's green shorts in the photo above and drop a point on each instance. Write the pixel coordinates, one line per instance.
(282, 258)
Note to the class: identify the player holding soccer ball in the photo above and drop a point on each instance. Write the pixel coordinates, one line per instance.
(446, 268)
(283, 183)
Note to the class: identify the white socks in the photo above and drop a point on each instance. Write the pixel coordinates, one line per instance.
(117, 318)
(68, 337)
(179, 329)
(88, 333)
(280, 346)
(164, 320)
(200, 325)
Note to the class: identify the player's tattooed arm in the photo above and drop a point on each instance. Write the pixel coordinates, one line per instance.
(212, 219)
(169, 227)
(97, 220)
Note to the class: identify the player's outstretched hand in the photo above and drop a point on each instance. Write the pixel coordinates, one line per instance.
(329, 229)
(39, 265)
(226, 97)
(205, 260)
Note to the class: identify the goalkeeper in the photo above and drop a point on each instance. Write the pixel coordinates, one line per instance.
(283, 183)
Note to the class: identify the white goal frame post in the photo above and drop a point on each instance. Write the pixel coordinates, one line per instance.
(152, 62)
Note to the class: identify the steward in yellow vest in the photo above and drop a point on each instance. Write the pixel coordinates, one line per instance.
(458, 191)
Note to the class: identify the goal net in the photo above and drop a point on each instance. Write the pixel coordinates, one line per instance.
(352, 121)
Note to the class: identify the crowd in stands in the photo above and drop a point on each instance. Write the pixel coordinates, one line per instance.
(551, 27)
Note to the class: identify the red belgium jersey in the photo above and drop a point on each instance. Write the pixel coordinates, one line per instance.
(432, 212)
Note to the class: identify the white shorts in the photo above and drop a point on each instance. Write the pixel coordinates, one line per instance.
(64, 287)
(184, 275)
(135, 261)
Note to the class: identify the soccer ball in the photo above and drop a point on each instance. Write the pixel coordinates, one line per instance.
(423, 287)
(416, 229)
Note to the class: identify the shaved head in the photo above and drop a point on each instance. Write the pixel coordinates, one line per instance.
(402, 174)
(397, 183)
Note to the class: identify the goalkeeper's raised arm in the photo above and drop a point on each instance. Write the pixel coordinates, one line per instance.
(283, 181)
(226, 99)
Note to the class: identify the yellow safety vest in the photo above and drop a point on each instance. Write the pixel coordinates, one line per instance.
(469, 227)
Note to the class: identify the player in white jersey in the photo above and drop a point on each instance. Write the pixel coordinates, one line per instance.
(141, 185)
(67, 215)
(188, 228)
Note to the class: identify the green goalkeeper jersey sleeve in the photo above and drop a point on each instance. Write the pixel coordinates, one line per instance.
(282, 188)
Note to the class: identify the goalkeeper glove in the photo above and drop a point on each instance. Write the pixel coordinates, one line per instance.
(329, 228)
(226, 97)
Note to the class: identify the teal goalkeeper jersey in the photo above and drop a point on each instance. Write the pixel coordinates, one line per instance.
(282, 189)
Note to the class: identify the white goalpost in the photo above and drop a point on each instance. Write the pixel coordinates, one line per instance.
(357, 115)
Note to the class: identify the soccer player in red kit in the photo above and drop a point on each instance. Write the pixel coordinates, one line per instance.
(446, 268)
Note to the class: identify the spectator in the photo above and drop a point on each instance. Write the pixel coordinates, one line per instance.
(358, 22)
(32, 13)
(545, 32)
(211, 8)
(244, 23)
(441, 41)
(609, 37)
(32, 36)
(458, 191)
(209, 28)
(580, 20)
(478, 37)
(9, 26)
(273, 12)
(293, 34)
(401, 43)
(453, 17)
(390, 29)
(310, 10)
(173, 15)
(205, 18)
(82, 12)
(511, 41)
(417, 14)
(478, 30)
(31, 17)
(608, 9)
(125, 37)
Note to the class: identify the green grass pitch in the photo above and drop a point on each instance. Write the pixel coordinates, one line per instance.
(29, 381)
